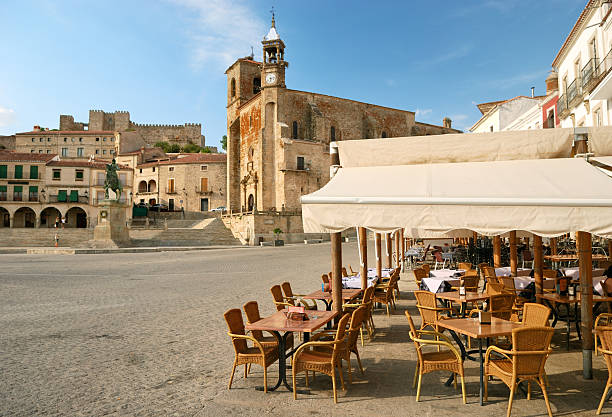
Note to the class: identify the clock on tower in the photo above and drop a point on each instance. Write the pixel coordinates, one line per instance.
(274, 63)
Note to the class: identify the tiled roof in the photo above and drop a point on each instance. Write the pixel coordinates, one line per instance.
(8, 156)
(67, 132)
(85, 164)
(191, 158)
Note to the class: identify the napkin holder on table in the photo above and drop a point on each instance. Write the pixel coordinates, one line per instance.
(296, 313)
(484, 317)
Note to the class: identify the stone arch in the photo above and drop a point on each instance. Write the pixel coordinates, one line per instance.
(24, 217)
(5, 218)
(49, 215)
(76, 217)
(142, 186)
(152, 186)
(251, 203)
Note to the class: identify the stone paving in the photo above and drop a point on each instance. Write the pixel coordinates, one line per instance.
(143, 334)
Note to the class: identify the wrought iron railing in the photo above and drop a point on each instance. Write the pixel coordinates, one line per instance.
(562, 106)
(574, 92)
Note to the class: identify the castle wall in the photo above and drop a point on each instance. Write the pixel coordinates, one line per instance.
(181, 134)
(67, 123)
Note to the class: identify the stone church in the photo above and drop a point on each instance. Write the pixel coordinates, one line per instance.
(278, 141)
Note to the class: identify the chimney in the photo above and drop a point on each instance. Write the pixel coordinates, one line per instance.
(36, 128)
(447, 123)
(532, 92)
(552, 82)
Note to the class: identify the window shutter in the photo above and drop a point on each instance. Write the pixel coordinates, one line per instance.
(203, 184)
(33, 172)
(18, 171)
(3, 188)
(33, 189)
(3, 171)
(74, 196)
(17, 189)
(62, 196)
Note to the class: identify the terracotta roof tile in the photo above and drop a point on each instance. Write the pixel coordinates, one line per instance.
(192, 158)
(8, 156)
(85, 164)
(67, 132)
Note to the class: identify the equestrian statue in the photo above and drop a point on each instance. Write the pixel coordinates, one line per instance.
(112, 180)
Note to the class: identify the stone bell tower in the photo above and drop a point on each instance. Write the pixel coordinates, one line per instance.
(274, 64)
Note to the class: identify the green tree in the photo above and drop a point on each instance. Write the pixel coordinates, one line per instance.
(165, 146)
(174, 148)
(191, 148)
(205, 149)
(224, 142)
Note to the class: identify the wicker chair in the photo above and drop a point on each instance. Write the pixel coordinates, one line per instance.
(385, 294)
(245, 355)
(279, 300)
(465, 265)
(525, 362)
(367, 301)
(442, 360)
(251, 310)
(352, 271)
(383, 282)
(535, 315)
(429, 310)
(602, 320)
(344, 272)
(426, 268)
(307, 359)
(419, 274)
(605, 336)
(292, 298)
(494, 288)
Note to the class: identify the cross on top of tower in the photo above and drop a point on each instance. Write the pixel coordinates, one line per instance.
(272, 34)
(273, 22)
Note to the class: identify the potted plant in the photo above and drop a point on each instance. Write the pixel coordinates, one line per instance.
(277, 241)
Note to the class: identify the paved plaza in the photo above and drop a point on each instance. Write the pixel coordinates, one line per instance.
(143, 334)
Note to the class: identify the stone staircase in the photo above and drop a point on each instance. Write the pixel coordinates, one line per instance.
(25, 237)
(206, 232)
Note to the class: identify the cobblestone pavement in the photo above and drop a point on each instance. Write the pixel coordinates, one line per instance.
(143, 334)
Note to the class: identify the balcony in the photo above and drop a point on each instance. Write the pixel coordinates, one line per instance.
(574, 93)
(600, 86)
(200, 190)
(66, 199)
(170, 190)
(562, 107)
(589, 75)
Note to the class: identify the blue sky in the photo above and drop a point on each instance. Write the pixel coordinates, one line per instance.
(164, 60)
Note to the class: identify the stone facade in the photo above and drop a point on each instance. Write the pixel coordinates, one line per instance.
(278, 138)
(192, 182)
(35, 189)
(77, 144)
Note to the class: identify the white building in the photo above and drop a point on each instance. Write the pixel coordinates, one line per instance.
(518, 113)
(583, 64)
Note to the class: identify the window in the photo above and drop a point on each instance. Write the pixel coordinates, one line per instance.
(18, 171)
(48, 151)
(103, 139)
(64, 151)
(80, 139)
(203, 184)
(140, 170)
(101, 176)
(97, 139)
(97, 151)
(33, 172)
(112, 151)
(153, 169)
(384, 134)
(300, 163)
(48, 139)
(256, 85)
(491, 128)
(3, 171)
(170, 169)
(31, 150)
(62, 196)
(203, 167)
(104, 151)
(33, 193)
(3, 192)
(112, 139)
(78, 175)
(71, 139)
(57, 174)
(65, 139)
(550, 120)
(597, 117)
(170, 185)
(332, 134)
(74, 196)
(80, 151)
(33, 139)
(41, 139)
(40, 151)
(123, 179)
(250, 121)
(17, 193)
(233, 87)
(294, 130)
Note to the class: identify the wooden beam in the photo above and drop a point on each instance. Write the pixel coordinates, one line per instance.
(377, 244)
(389, 250)
(336, 253)
(538, 263)
(553, 245)
(475, 238)
(363, 256)
(497, 251)
(513, 253)
(585, 260)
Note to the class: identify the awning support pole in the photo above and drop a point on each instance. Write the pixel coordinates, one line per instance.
(389, 250)
(377, 242)
(402, 263)
(398, 252)
(336, 253)
(585, 260)
(363, 250)
(538, 263)
(513, 254)
(496, 251)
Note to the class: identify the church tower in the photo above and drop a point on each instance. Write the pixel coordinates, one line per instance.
(274, 64)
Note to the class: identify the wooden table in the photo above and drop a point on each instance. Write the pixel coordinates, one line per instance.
(326, 297)
(469, 297)
(553, 300)
(278, 323)
(556, 259)
(472, 328)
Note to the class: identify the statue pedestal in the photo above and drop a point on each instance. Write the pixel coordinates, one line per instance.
(111, 231)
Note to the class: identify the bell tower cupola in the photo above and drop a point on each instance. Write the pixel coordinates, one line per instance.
(274, 64)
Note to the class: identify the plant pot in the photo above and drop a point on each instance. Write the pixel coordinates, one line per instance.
(279, 242)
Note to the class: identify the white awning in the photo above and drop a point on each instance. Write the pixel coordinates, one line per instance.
(548, 197)
(473, 147)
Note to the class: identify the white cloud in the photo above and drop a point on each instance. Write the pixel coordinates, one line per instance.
(222, 30)
(422, 112)
(7, 117)
(458, 117)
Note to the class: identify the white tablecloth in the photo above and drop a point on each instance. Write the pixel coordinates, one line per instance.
(446, 273)
(574, 273)
(505, 271)
(597, 284)
(434, 283)
(520, 283)
(354, 282)
(386, 272)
